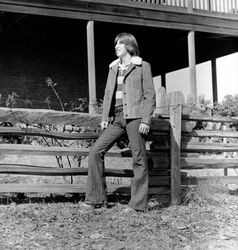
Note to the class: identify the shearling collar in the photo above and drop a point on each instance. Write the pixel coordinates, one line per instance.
(135, 60)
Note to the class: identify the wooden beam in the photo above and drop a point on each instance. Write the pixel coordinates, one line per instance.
(128, 13)
(192, 59)
(91, 67)
(192, 66)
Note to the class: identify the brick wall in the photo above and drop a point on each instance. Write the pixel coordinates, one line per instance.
(24, 69)
(45, 47)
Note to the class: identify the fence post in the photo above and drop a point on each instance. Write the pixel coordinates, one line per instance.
(161, 102)
(176, 99)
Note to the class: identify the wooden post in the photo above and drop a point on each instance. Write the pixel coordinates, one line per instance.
(214, 81)
(192, 59)
(224, 128)
(161, 102)
(176, 99)
(91, 66)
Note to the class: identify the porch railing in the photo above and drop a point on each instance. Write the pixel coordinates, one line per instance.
(224, 6)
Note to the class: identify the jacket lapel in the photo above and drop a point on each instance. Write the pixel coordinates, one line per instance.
(129, 69)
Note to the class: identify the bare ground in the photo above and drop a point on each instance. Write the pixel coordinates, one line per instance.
(207, 219)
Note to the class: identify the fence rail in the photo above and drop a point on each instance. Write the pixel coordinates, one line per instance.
(224, 6)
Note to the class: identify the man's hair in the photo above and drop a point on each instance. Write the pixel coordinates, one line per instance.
(130, 42)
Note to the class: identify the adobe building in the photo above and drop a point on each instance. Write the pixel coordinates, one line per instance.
(72, 42)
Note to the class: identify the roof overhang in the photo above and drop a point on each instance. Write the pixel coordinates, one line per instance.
(127, 12)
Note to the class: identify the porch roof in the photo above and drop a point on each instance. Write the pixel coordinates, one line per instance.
(129, 12)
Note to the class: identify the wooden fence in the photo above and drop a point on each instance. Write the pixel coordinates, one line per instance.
(177, 143)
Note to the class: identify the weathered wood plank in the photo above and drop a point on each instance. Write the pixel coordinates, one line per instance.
(212, 133)
(199, 147)
(47, 133)
(154, 135)
(51, 171)
(209, 147)
(189, 117)
(176, 99)
(48, 117)
(219, 180)
(208, 163)
(45, 117)
(21, 149)
(70, 188)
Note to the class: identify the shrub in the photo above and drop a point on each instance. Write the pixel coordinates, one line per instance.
(228, 106)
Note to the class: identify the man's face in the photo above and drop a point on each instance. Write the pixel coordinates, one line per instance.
(120, 49)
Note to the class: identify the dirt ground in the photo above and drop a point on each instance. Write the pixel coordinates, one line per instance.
(206, 219)
(58, 223)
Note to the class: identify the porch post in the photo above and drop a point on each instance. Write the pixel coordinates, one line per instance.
(192, 59)
(91, 66)
(214, 81)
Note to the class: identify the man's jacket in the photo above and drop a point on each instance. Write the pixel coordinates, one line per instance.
(137, 88)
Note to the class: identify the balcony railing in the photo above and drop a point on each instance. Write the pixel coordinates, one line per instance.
(223, 6)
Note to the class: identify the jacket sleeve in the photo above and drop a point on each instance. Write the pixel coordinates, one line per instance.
(149, 93)
(106, 98)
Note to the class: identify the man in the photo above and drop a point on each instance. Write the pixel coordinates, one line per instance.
(128, 106)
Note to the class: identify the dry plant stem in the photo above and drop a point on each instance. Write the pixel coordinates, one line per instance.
(57, 97)
(71, 177)
(58, 161)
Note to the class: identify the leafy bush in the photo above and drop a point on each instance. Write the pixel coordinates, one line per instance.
(202, 107)
(228, 106)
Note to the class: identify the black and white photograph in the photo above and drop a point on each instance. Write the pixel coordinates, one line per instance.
(118, 124)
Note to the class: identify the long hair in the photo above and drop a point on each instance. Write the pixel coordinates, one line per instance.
(130, 42)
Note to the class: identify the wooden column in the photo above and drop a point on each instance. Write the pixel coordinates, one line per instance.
(214, 81)
(192, 59)
(91, 66)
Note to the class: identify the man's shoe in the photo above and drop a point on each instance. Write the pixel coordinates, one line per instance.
(86, 207)
(131, 210)
(128, 210)
(89, 207)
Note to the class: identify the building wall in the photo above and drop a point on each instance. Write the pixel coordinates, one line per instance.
(32, 51)
(23, 69)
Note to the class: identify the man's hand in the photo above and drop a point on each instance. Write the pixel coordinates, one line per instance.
(104, 125)
(144, 128)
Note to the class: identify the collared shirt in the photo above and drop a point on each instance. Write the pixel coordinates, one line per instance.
(120, 78)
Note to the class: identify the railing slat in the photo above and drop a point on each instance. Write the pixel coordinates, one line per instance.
(224, 6)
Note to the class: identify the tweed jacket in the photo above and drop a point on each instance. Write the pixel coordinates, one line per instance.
(137, 88)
